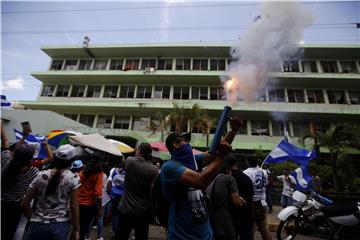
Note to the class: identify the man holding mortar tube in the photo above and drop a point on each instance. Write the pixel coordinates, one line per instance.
(182, 179)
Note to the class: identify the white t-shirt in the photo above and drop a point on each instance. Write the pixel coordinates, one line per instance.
(55, 207)
(287, 189)
(258, 177)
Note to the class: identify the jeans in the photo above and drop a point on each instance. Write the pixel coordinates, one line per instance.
(10, 216)
(86, 216)
(53, 231)
(286, 201)
(129, 221)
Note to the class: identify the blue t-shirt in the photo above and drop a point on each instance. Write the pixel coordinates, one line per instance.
(181, 218)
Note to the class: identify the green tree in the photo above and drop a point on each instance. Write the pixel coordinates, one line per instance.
(337, 139)
(179, 117)
(160, 123)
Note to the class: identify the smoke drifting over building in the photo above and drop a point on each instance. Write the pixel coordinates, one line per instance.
(273, 38)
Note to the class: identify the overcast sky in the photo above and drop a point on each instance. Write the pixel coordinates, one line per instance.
(26, 26)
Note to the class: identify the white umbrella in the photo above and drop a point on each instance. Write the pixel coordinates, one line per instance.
(95, 141)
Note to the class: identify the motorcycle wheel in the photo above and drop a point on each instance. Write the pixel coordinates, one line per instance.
(288, 229)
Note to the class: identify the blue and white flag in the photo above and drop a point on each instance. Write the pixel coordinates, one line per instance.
(302, 177)
(286, 151)
(5, 103)
(34, 140)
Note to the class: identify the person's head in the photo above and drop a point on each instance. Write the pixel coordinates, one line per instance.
(144, 150)
(231, 160)
(22, 157)
(77, 166)
(63, 158)
(176, 140)
(252, 161)
(226, 168)
(94, 165)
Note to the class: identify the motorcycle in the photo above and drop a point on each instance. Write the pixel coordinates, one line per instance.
(319, 216)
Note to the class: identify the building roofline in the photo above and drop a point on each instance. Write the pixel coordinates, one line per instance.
(185, 44)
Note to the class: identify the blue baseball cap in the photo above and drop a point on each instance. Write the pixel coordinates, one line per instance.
(77, 164)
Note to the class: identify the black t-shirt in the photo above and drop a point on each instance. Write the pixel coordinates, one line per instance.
(245, 187)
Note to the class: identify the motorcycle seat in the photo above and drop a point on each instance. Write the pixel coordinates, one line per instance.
(340, 210)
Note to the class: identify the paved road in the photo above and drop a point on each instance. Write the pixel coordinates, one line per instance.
(158, 233)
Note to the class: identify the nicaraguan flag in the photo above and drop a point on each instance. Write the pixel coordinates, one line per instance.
(34, 140)
(286, 151)
(5, 103)
(302, 177)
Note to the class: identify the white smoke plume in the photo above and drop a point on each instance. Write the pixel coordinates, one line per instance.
(272, 39)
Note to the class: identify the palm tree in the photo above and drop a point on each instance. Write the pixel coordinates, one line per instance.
(178, 116)
(336, 139)
(205, 123)
(159, 123)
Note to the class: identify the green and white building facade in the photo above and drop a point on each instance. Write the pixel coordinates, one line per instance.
(117, 89)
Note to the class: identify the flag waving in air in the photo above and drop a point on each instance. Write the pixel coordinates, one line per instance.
(34, 140)
(286, 151)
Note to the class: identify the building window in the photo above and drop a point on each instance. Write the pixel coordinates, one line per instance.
(104, 121)
(141, 123)
(309, 66)
(162, 92)
(56, 65)
(217, 64)
(217, 93)
(93, 91)
(87, 119)
(110, 91)
(127, 91)
(62, 91)
(259, 128)
(70, 65)
(72, 116)
(348, 67)
(300, 129)
(116, 64)
(85, 65)
(131, 64)
(261, 97)
(48, 91)
(181, 92)
(199, 93)
(243, 128)
(122, 122)
(278, 128)
(183, 64)
(320, 127)
(291, 66)
(329, 66)
(100, 64)
(78, 91)
(277, 95)
(315, 96)
(296, 95)
(354, 97)
(336, 97)
(143, 92)
(148, 63)
(165, 64)
(200, 64)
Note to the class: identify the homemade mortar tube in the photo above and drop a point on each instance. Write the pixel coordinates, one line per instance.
(220, 130)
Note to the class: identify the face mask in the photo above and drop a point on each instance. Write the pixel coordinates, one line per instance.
(184, 155)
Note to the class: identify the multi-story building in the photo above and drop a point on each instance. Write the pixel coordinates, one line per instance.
(123, 86)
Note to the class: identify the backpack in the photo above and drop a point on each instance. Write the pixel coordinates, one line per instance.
(160, 204)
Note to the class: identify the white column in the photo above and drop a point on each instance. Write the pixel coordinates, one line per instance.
(319, 67)
(326, 98)
(347, 97)
(248, 127)
(270, 128)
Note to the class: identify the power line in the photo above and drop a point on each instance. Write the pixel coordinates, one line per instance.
(128, 8)
(195, 28)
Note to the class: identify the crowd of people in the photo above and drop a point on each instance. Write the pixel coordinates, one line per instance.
(64, 196)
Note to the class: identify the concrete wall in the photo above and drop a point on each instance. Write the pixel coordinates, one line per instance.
(41, 121)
